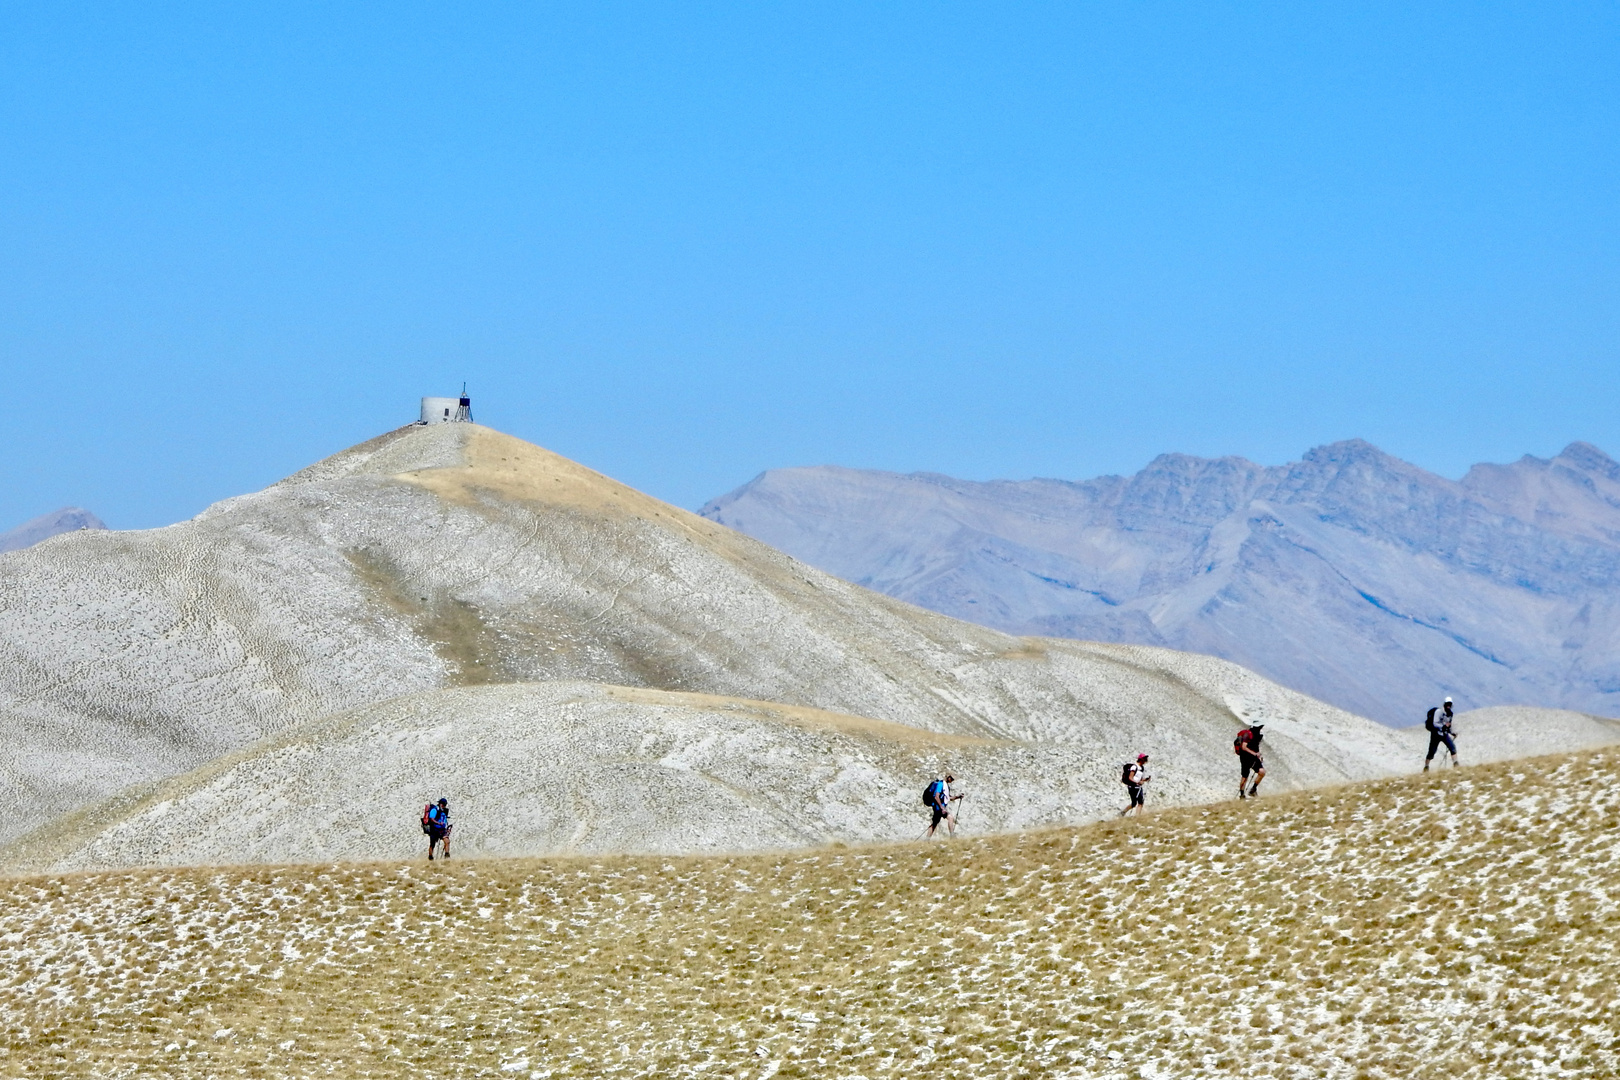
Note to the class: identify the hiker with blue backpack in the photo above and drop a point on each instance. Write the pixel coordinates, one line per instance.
(938, 798)
(436, 823)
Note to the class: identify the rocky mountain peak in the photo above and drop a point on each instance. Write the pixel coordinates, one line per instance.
(1588, 458)
(1350, 574)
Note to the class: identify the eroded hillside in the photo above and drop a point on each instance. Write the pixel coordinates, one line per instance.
(440, 558)
(1460, 925)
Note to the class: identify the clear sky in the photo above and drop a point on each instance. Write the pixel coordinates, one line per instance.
(684, 243)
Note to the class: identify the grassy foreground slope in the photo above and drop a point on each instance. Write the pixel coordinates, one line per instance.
(1461, 924)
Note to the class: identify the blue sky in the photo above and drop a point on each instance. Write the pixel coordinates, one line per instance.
(684, 243)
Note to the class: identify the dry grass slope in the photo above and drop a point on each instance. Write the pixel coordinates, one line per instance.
(1460, 925)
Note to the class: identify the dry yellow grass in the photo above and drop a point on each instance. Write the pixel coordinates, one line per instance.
(1458, 925)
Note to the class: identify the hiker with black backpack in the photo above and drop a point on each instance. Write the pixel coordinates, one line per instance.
(1135, 776)
(1438, 725)
(436, 823)
(1247, 747)
(938, 798)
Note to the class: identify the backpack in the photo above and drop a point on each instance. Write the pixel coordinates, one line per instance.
(1244, 736)
(1125, 772)
(930, 793)
(1428, 722)
(427, 825)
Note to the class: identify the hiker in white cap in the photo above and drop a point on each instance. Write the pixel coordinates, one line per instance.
(1438, 725)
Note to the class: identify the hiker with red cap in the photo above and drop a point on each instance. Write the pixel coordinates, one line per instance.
(1247, 747)
(1135, 778)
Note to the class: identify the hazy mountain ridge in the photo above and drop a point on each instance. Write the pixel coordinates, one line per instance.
(1350, 575)
(57, 522)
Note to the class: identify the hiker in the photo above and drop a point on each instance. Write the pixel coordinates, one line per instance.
(1247, 747)
(1438, 725)
(938, 798)
(1135, 777)
(436, 823)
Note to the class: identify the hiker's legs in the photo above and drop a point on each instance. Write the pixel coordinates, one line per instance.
(444, 846)
(939, 816)
(1136, 800)
(1435, 739)
(1259, 775)
(1451, 745)
(1249, 766)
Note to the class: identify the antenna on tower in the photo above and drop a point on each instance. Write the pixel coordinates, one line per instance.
(464, 407)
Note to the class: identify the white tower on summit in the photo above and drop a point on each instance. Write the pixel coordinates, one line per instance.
(447, 410)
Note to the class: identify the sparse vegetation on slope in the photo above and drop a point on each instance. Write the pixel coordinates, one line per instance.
(443, 557)
(1461, 925)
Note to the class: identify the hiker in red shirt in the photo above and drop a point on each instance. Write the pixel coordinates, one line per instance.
(1247, 747)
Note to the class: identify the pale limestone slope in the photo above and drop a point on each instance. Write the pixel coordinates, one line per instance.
(445, 556)
(545, 768)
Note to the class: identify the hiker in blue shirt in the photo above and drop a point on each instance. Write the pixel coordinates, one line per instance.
(939, 801)
(436, 823)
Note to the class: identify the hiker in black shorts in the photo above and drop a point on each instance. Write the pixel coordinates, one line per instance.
(939, 801)
(437, 820)
(1438, 724)
(1247, 747)
(1135, 777)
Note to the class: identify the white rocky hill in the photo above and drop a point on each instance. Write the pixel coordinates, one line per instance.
(67, 519)
(450, 611)
(573, 766)
(1350, 575)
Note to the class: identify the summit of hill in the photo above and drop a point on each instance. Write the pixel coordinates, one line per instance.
(1349, 575)
(448, 606)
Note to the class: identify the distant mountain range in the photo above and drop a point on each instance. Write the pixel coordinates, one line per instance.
(67, 519)
(1350, 575)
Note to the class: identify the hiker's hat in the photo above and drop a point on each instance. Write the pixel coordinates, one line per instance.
(444, 802)
(1448, 701)
(1141, 757)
